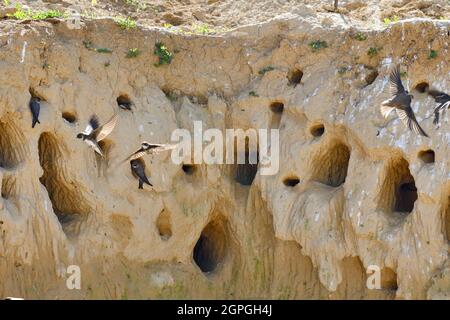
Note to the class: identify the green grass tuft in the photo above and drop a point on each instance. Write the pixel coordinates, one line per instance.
(126, 23)
(360, 36)
(342, 70)
(372, 52)
(387, 21)
(103, 50)
(165, 56)
(433, 54)
(133, 53)
(21, 14)
(253, 94)
(318, 45)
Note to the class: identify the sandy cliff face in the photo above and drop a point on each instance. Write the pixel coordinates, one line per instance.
(342, 200)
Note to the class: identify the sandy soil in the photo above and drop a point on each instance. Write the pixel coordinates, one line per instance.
(209, 15)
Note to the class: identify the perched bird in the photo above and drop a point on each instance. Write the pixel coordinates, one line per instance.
(35, 107)
(444, 103)
(93, 134)
(149, 148)
(401, 102)
(138, 170)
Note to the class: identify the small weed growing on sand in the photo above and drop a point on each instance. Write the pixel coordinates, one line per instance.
(342, 70)
(360, 36)
(103, 50)
(318, 45)
(88, 45)
(204, 29)
(21, 14)
(167, 25)
(107, 64)
(387, 21)
(262, 71)
(6, 2)
(126, 23)
(253, 94)
(433, 54)
(372, 52)
(165, 56)
(133, 53)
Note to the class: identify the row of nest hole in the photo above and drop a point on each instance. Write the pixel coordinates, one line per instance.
(399, 191)
(123, 101)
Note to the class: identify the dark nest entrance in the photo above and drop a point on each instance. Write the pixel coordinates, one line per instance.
(294, 77)
(427, 156)
(291, 181)
(70, 117)
(189, 169)
(317, 130)
(422, 87)
(211, 248)
(124, 102)
(330, 165)
(246, 172)
(398, 191)
(277, 107)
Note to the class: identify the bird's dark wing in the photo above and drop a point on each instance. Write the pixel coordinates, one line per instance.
(103, 131)
(92, 125)
(35, 108)
(409, 119)
(153, 149)
(136, 155)
(396, 82)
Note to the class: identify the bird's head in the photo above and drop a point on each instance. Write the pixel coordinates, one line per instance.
(409, 94)
(145, 145)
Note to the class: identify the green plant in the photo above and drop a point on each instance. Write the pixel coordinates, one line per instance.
(165, 56)
(88, 45)
(253, 94)
(360, 36)
(107, 64)
(432, 54)
(262, 71)
(21, 14)
(372, 52)
(133, 53)
(342, 70)
(103, 50)
(126, 23)
(389, 20)
(6, 2)
(318, 45)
